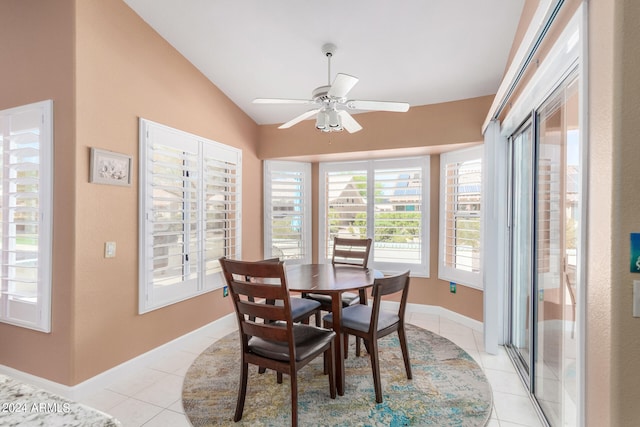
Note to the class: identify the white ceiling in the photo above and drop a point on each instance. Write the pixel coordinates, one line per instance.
(416, 51)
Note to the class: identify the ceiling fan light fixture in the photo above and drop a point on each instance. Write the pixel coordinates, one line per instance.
(334, 119)
(321, 121)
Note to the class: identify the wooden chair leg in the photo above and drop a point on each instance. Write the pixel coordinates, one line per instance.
(326, 362)
(294, 398)
(366, 346)
(242, 391)
(318, 316)
(328, 356)
(405, 351)
(375, 367)
(358, 340)
(262, 370)
(346, 345)
(279, 377)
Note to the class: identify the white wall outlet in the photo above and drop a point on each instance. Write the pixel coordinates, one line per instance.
(636, 298)
(110, 249)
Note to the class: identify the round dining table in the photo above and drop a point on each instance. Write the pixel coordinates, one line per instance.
(332, 280)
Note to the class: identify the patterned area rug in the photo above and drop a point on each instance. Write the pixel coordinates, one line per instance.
(448, 388)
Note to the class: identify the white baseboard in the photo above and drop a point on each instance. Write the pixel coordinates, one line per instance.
(104, 379)
(130, 367)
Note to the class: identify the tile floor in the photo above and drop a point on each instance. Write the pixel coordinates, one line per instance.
(152, 397)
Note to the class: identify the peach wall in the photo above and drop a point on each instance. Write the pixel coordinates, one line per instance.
(598, 315)
(125, 70)
(618, 26)
(423, 127)
(429, 129)
(36, 47)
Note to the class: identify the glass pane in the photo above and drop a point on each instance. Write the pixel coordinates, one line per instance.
(19, 204)
(287, 201)
(346, 194)
(172, 199)
(522, 244)
(462, 215)
(558, 197)
(220, 212)
(398, 215)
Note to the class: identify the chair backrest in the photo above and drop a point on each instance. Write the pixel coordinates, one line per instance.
(351, 251)
(248, 279)
(387, 286)
(251, 281)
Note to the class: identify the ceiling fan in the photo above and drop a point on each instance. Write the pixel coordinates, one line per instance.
(331, 103)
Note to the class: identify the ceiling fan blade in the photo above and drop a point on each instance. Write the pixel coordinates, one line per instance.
(298, 119)
(282, 101)
(348, 122)
(341, 85)
(399, 107)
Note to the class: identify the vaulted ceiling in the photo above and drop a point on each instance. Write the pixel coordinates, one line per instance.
(416, 51)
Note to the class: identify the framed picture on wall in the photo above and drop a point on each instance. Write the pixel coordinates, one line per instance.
(108, 167)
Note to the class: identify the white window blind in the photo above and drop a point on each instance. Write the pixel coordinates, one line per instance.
(287, 211)
(190, 213)
(385, 200)
(460, 216)
(26, 149)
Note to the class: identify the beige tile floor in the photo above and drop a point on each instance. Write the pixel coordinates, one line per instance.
(152, 397)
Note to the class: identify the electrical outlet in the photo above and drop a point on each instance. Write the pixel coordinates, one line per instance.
(452, 287)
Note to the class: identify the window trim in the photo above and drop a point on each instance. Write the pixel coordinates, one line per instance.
(417, 270)
(42, 322)
(203, 283)
(271, 166)
(462, 277)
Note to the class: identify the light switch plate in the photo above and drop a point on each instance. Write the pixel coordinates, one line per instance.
(110, 249)
(636, 298)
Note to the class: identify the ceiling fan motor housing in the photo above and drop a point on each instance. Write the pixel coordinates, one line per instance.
(321, 94)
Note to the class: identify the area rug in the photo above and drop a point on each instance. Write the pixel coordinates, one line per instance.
(448, 388)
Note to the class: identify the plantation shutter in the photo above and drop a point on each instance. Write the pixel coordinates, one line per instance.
(191, 216)
(287, 207)
(383, 199)
(221, 219)
(461, 179)
(26, 147)
(346, 199)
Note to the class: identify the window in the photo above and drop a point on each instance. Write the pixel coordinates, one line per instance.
(287, 211)
(460, 216)
(26, 149)
(189, 214)
(385, 200)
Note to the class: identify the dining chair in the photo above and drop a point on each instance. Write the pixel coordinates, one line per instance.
(371, 323)
(273, 340)
(346, 251)
(301, 308)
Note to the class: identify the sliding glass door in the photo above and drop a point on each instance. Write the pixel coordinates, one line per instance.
(545, 221)
(522, 164)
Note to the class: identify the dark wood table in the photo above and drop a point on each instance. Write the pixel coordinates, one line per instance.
(332, 280)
